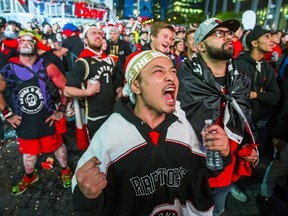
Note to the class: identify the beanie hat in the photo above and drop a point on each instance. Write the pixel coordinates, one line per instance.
(88, 28)
(257, 32)
(67, 33)
(69, 29)
(134, 64)
(206, 27)
(70, 26)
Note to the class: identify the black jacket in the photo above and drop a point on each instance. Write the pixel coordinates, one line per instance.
(201, 96)
(146, 175)
(264, 83)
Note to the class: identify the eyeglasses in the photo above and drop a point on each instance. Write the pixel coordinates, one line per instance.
(30, 41)
(221, 33)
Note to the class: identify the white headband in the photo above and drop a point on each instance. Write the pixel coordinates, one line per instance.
(135, 64)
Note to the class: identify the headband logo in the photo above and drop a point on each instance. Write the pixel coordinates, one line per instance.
(140, 62)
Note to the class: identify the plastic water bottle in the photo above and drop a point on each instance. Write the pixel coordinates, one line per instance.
(213, 158)
(93, 81)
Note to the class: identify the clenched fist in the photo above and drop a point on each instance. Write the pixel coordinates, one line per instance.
(90, 180)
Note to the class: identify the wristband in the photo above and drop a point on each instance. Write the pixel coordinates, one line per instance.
(7, 113)
(62, 108)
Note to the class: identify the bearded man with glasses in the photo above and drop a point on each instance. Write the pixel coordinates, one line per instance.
(210, 87)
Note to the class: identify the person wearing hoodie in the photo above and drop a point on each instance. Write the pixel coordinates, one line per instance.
(153, 164)
(94, 79)
(264, 92)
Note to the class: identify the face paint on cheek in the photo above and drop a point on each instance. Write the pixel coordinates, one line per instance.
(27, 50)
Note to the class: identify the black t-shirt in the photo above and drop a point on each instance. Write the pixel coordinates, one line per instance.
(120, 48)
(221, 80)
(75, 46)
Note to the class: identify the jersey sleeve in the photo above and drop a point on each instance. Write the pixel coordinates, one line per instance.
(77, 75)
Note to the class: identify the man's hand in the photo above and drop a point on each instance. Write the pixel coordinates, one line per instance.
(217, 140)
(90, 180)
(56, 116)
(92, 88)
(253, 158)
(119, 93)
(253, 95)
(15, 120)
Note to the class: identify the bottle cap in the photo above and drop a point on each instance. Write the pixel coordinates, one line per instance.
(208, 121)
(93, 81)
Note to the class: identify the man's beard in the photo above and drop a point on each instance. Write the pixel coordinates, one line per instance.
(27, 51)
(94, 47)
(219, 53)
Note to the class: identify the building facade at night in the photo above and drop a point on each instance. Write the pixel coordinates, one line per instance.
(125, 9)
(270, 13)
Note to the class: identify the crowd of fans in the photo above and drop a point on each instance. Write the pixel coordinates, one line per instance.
(258, 53)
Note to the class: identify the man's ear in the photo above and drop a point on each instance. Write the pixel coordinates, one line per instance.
(85, 41)
(135, 87)
(254, 43)
(201, 47)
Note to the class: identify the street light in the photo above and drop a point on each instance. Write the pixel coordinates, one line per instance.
(270, 16)
(136, 12)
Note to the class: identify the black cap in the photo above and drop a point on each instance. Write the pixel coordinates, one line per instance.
(46, 23)
(257, 32)
(12, 22)
(2, 21)
(143, 32)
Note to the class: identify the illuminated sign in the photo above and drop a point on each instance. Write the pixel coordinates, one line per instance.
(81, 10)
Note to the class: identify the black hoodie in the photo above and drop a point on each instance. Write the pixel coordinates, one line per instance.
(149, 171)
(264, 83)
